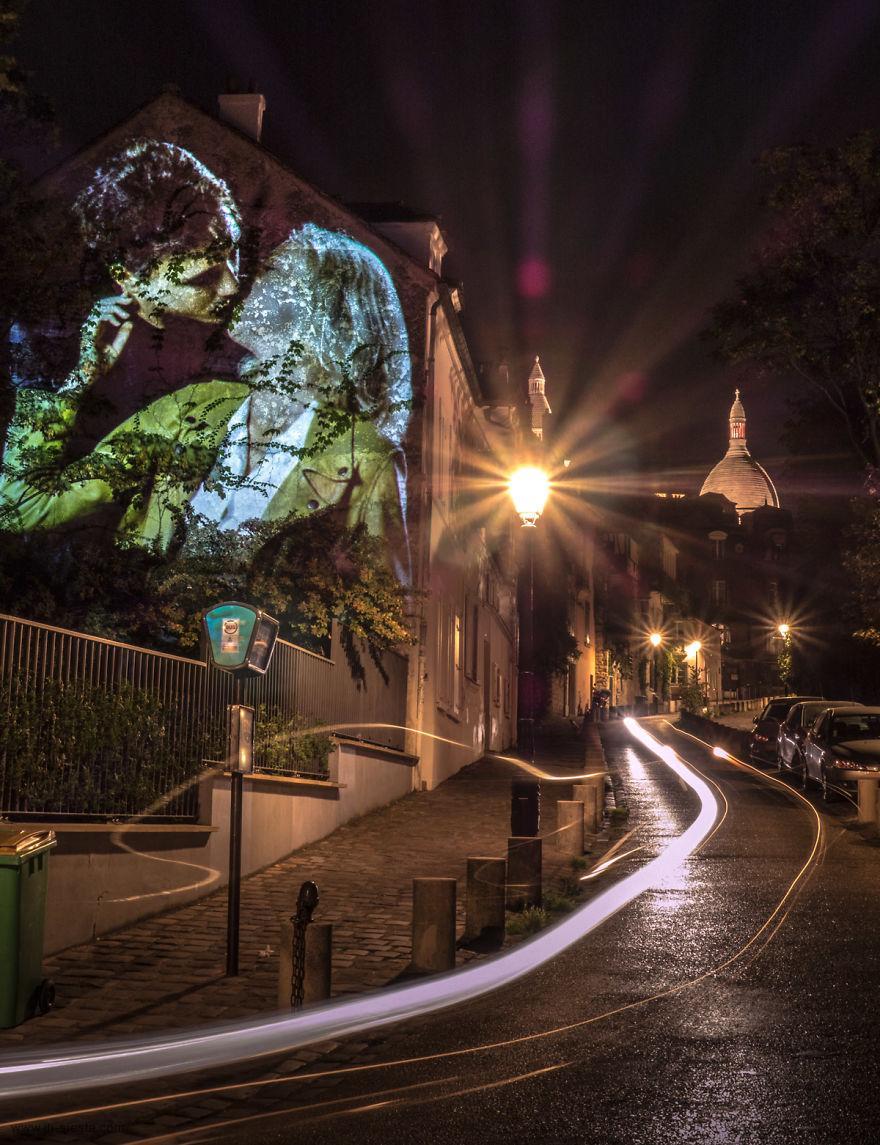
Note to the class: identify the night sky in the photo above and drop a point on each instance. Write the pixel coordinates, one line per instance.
(592, 163)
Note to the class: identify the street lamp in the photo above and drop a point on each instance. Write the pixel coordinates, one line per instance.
(529, 488)
(655, 640)
(784, 658)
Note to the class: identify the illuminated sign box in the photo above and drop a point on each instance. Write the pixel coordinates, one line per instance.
(241, 638)
(240, 725)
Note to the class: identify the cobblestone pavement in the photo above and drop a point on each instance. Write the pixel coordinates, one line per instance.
(167, 972)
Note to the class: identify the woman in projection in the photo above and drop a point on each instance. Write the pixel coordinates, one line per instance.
(124, 440)
(326, 420)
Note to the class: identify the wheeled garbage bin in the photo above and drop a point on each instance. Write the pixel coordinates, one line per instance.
(24, 871)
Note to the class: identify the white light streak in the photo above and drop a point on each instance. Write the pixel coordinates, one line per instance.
(129, 1061)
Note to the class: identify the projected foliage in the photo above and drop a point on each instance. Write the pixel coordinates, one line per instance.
(190, 395)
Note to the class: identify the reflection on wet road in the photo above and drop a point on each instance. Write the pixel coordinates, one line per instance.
(733, 1003)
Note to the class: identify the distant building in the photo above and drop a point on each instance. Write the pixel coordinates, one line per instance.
(738, 476)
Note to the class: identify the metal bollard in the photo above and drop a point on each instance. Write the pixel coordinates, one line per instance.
(433, 925)
(306, 901)
(484, 903)
(317, 964)
(591, 795)
(523, 872)
(569, 837)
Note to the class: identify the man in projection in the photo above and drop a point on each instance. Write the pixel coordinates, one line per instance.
(125, 439)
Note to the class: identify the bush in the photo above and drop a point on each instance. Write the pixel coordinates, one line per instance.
(82, 749)
(528, 921)
(280, 745)
(558, 902)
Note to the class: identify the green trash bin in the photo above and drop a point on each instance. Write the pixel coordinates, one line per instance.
(24, 874)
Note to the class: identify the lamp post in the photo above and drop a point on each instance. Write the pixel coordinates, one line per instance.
(692, 652)
(240, 640)
(529, 488)
(784, 658)
(655, 640)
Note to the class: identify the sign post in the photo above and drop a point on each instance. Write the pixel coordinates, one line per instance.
(241, 640)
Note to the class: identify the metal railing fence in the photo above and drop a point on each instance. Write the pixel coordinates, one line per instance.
(96, 728)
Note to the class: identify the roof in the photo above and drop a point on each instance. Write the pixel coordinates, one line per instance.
(737, 476)
(390, 213)
(742, 480)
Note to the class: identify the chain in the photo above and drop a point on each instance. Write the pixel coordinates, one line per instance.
(306, 901)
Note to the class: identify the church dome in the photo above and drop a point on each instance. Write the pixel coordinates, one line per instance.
(738, 476)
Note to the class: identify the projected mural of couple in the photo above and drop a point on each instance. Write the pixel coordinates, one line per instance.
(191, 398)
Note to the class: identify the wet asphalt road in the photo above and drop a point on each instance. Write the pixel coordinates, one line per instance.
(780, 1045)
(690, 1017)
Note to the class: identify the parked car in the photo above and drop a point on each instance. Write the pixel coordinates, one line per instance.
(793, 730)
(842, 746)
(765, 732)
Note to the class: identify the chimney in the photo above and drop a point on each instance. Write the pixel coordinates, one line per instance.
(245, 111)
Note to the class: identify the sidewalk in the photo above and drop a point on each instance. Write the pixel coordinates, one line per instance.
(740, 721)
(167, 972)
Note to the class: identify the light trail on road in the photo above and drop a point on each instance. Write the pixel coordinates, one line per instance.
(130, 1061)
(341, 1072)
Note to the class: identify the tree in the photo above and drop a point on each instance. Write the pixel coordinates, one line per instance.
(307, 571)
(810, 307)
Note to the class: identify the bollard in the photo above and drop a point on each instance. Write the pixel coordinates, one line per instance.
(569, 836)
(484, 904)
(433, 925)
(591, 795)
(867, 800)
(523, 872)
(525, 807)
(318, 964)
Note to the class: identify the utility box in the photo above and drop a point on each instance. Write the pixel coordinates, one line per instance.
(24, 876)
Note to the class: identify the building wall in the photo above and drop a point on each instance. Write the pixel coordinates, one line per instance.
(467, 701)
(450, 548)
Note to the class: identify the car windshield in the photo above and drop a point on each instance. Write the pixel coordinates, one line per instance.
(855, 726)
(777, 710)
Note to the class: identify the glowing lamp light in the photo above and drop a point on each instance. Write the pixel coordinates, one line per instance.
(783, 630)
(692, 649)
(529, 488)
(720, 753)
(656, 639)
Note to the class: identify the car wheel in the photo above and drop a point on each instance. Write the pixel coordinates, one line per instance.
(828, 793)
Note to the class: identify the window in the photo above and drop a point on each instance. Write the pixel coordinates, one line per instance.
(718, 549)
(719, 591)
(472, 637)
(507, 680)
(450, 651)
(496, 685)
